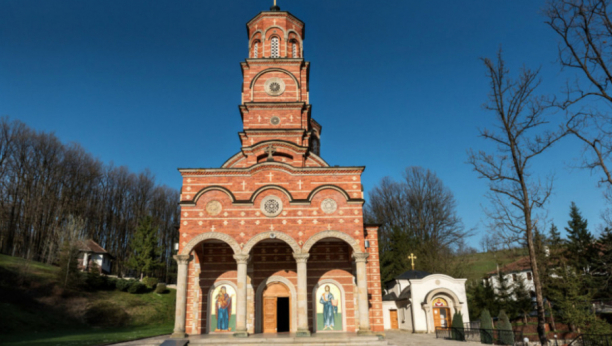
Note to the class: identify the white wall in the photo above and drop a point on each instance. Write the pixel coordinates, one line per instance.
(421, 287)
(494, 281)
(99, 259)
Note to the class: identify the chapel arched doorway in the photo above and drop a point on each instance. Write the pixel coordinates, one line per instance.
(276, 312)
(441, 313)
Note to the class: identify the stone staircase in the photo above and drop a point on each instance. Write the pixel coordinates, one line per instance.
(336, 339)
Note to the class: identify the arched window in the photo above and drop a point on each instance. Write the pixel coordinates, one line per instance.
(294, 49)
(274, 48)
(256, 50)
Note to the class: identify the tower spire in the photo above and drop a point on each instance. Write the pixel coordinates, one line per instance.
(274, 8)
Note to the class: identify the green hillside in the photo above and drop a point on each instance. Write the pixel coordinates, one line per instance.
(479, 264)
(37, 311)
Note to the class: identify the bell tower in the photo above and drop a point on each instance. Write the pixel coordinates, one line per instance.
(275, 108)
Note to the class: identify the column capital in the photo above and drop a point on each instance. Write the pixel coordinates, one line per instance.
(183, 259)
(241, 258)
(361, 256)
(301, 257)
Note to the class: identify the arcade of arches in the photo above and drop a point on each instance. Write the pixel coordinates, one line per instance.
(275, 240)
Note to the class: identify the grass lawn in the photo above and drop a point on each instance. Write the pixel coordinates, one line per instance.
(481, 263)
(84, 337)
(36, 311)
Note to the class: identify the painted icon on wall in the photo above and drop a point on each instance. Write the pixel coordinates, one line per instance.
(223, 311)
(329, 308)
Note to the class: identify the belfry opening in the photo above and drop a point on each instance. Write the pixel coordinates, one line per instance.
(274, 240)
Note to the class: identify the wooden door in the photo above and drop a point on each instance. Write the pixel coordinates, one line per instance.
(442, 317)
(269, 315)
(393, 316)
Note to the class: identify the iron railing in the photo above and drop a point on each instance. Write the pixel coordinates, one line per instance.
(485, 336)
(592, 340)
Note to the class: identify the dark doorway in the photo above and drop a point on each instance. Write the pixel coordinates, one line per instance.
(282, 315)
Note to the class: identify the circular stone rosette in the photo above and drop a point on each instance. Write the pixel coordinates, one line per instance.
(213, 208)
(274, 86)
(329, 206)
(271, 206)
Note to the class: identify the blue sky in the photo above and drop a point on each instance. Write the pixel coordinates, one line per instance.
(156, 84)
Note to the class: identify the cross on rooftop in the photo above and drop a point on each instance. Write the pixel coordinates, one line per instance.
(412, 257)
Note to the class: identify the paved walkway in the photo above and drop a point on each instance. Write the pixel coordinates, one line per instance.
(400, 338)
(396, 338)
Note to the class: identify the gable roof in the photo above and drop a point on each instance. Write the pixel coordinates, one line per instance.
(90, 246)
(522, 264)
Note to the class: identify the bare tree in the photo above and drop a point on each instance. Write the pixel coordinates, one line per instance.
(418, 215)
(520, 135)
(585, 31)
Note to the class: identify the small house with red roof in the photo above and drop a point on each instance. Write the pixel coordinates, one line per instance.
(513, 272)
(91, 254)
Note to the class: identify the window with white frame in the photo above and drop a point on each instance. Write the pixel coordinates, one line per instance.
(256, 49)
(274, 49)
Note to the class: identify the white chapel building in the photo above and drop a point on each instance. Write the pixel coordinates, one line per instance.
(418, 301)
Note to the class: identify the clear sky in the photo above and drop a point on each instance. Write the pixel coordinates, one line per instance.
(156, 84)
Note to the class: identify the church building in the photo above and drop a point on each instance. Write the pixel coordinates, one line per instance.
(274, 240)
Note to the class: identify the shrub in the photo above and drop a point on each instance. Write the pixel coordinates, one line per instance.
(150, 282)
(457, 327)
(506, 336)
(486, 326)
(124, 285)
(137, 287)
(106, 314)
(161, 288)
(93, 280)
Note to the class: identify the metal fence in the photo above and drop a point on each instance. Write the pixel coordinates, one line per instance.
(485, 336)
(592, 340)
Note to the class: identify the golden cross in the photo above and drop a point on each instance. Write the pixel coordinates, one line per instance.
(412, 257)
(274, 2)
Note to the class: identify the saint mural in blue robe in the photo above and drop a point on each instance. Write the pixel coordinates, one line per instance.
(223, 305)
(330, 309)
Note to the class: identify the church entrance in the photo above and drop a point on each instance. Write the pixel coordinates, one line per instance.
(441, 313)
(276, 309)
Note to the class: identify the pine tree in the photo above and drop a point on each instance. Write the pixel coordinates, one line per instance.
(458, 332)
(145, 247)
(506, 336)
(523, 304)
(604, 264)
(580, 241)
(394, 258)
(486, 327)
(483, 297)
(554, 236)
(503, 292)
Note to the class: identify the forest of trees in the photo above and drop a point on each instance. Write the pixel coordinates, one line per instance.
(44, 183)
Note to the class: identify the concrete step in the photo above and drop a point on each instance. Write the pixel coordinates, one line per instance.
(318, 340)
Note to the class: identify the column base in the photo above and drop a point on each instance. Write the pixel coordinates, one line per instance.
(241, 334)
(178, 335)
(301, 333)
(364, 332)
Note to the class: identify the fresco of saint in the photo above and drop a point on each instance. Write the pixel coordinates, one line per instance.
(223, 306)
(330, 308)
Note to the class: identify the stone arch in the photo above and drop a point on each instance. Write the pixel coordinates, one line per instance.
(209, 303)
(315, 301)
(254, 80)
(441, 293)
(277, 27)
(253, 36)
(332, 187)
(271, 187)
(331, 234)
(212, 188)
(259, 304)
(271, 235)
(298, 38)
(211, 235)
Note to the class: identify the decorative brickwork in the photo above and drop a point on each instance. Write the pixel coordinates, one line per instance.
(276, 212)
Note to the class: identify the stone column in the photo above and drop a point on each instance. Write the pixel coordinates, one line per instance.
(241, 299)
(302, 294)
(362, 288)
(181, 296)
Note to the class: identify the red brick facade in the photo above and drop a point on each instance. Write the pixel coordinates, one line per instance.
(222, 212)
